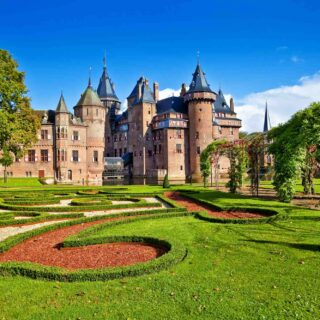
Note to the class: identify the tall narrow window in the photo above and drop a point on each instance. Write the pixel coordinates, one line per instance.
(197, 135)
(178, 148)
(95, 156)
(75, 135)
(44, 155)
(75, 155)
(198, 150)
(44, 134)
(31, 155)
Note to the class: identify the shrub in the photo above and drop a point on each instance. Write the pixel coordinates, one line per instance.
(166, 183)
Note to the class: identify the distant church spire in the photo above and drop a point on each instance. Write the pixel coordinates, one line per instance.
(267, 123)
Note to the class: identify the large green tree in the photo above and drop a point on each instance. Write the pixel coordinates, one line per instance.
(18, 122)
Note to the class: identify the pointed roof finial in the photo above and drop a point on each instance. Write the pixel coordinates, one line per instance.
(105, 59)
(198, 56)
(89, 83)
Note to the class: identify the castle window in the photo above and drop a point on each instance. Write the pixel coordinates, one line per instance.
(198, 150)
(58, 132)
(44, 134)
(220, 130)
(149, 112)
(197, 135)
(31, 155)
(95, 156)
(179, 135)
(135, 153)
(108, 139)
(75, 135)
(199, 119)
(181, 167)
(140, 153)
(75, 155)
(115, 138)
(115, 152)
(125, 150)
(178, 148)
(160, 148)
(44, 155)
(150, 153)
(120, 152)
(87, 111)
(200, 109)
(155, 149)
(231, 130)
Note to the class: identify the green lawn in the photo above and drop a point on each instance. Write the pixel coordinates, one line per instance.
(20, 182)
(257, 271)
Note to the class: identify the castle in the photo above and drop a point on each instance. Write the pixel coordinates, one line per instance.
(152, 137)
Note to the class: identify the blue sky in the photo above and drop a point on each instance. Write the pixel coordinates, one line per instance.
(246, 47)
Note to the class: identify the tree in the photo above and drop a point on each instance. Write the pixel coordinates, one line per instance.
(166, 183)
(18, 122)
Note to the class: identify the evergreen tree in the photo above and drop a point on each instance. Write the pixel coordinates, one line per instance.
(166, 183)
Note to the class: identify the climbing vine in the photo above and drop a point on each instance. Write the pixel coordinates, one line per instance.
(295, 146)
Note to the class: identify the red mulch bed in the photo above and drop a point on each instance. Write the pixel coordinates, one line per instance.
(193, 206)
(46, 249)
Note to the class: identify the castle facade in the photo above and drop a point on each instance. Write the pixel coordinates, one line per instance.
(152, 137)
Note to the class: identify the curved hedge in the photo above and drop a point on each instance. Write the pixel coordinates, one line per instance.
(270, 214)
(176, 252)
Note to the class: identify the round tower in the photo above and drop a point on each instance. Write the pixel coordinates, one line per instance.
(61, 133)
(92, 113)
(200, 99)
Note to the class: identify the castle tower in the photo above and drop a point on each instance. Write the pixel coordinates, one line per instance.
(141, 110)
(93, 114)
(61, 133)
(200, 99)
(107, 94)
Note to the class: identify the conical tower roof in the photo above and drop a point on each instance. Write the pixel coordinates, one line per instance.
(89, 97)
(62, 107)
(199, 82)
(106, 88)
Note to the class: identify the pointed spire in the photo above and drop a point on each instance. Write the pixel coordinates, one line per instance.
(89, 82)
(199, 82)
(267, 123)
(62, 107)
(106, 87)
(105, 60)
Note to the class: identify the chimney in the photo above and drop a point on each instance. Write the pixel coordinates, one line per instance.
(156, 91)
(183, 90)
(232, 105)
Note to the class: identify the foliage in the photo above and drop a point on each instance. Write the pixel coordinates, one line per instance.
(295, 147)
(238, 163)
(166, 183)
(18, 122)
(205, 158)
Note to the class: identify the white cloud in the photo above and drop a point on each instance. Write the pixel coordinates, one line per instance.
(283, 102)
(296, 59)
(168, 92)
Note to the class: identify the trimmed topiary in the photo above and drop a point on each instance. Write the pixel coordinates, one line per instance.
(166, 183)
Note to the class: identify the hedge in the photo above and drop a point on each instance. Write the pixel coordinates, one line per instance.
(176, 253)
(271, 214)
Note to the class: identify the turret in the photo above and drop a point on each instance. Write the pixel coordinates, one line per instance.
(200, 99)
(62, 118)
(141, 110)
(92, 113)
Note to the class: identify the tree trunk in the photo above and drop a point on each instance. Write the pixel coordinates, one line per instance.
(5, 176)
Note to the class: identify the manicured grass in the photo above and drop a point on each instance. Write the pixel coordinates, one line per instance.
(264, 271)
(20, 182)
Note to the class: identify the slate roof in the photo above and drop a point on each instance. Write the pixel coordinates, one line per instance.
(146, 93)
(105, 87)
(199, 82)
(220, 105)
(62, 107)
(267, 123)
(89, 97)
(172, 104)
